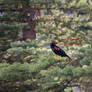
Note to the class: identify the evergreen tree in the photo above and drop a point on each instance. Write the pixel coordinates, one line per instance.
(32, 66)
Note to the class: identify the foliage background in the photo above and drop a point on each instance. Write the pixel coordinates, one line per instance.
(27, 62)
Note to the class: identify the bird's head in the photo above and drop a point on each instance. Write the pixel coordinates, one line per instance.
(54, 43)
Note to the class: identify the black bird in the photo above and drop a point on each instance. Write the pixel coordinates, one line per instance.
(58, 51)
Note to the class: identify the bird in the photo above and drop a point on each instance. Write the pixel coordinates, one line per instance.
(58, 51)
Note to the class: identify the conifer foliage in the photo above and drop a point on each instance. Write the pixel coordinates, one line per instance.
(27, 27)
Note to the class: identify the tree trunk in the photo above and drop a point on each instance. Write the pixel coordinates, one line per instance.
(30, 17)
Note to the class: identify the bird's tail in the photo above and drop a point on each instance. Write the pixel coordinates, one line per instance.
(69, 58)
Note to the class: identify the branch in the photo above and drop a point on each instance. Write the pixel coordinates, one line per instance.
(52, 64)
(48, 8)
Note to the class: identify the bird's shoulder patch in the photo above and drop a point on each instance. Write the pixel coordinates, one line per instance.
(57, 48)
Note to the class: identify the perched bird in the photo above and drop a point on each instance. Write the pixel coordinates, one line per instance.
(58, 51)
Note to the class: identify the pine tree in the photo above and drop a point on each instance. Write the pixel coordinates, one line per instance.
(30, 66)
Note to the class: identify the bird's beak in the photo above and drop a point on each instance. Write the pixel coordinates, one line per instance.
(56, 42)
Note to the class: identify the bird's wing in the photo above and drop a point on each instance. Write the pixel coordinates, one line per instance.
(56, 48)
(62, 51)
